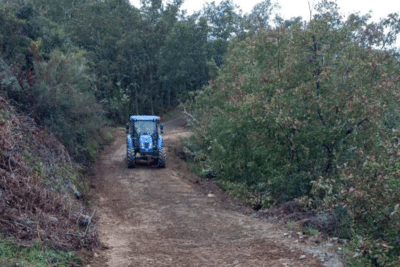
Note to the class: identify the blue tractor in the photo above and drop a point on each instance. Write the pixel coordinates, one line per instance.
(144, 141)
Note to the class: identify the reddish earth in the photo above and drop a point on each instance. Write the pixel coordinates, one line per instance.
(165, 217)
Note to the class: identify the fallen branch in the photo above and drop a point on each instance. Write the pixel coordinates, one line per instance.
(90, 220)
(9, 164)
(191, 116)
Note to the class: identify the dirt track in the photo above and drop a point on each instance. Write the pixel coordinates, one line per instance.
(164, 217)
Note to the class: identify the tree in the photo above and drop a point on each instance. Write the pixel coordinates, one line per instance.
(13, 40)
(296, 98)
(159, 22)
(183, 59)
(224, 21)
(260, 17)
(310, 112)
(126, 43)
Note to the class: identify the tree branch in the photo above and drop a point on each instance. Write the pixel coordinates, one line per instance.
(357, 125)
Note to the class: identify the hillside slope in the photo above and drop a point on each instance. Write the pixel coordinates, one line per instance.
(41, 188)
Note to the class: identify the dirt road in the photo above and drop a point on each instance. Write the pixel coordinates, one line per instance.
(164, 217)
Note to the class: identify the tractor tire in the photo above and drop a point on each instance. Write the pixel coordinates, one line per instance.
(162, 158)
(130, 158)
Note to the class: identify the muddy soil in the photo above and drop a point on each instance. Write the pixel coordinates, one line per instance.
(170, 217)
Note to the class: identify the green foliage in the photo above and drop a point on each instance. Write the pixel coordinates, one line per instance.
(365, 251)
(224, 21)
(4, 115)
(282, 112)
(14, 43)
(253, 196)
(51, 79)
(144, 61)
(128, 46)
(260, 18)
(371, 191)
(36, 255)
(291, 224)
(310, 112)
(311, 231)
(237, 190)
(183, 59)
(65, 101)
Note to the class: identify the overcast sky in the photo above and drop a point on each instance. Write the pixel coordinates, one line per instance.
(295, 8)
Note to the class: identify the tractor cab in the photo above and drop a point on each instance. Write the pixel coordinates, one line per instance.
(144, 140)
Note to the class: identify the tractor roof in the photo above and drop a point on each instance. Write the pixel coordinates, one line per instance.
(145, 118)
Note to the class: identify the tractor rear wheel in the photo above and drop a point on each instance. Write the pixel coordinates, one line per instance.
(162, 158)
(130, 158)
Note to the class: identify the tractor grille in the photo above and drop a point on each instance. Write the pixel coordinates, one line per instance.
(146, 145)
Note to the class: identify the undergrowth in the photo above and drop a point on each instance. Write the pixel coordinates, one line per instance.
(12, 253)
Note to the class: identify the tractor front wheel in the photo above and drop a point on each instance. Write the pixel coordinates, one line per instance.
(162, 158)
(130, 158)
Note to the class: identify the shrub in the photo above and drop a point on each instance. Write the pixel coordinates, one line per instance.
(310, 112)
(371, 191)
(65, 101)
(286, 109)
(14, 43)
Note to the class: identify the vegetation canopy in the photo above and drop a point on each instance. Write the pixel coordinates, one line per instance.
(309, 111)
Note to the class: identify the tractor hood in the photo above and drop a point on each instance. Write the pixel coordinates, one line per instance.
(146, 143)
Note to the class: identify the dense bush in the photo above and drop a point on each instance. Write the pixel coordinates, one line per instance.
(371, 191)
(14, 42)
(50, 79)
(309, 112)
(287, 109)
(65, 101)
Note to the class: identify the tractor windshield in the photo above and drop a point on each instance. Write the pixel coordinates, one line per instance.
(145, 127)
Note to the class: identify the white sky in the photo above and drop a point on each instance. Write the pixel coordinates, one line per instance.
(294, 8)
